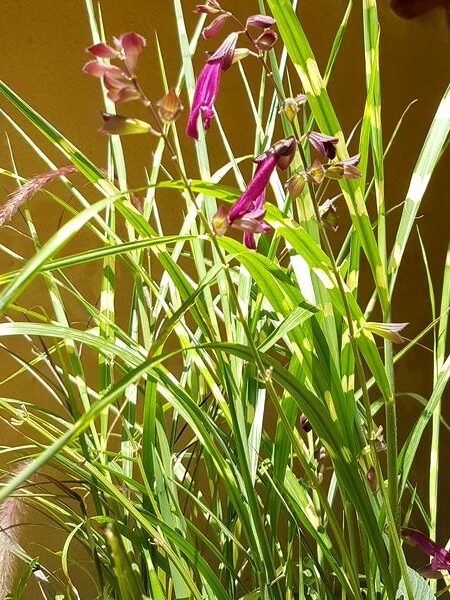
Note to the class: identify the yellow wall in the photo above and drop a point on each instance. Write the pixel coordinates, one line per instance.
(42, 52)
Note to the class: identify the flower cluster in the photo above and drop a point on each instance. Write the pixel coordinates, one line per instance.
(122, 85)
(207, 85)
(119, 82)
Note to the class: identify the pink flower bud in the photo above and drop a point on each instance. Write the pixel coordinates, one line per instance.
(260, 21)
(215, 26)
(132, 45)
(205, 9)
(120, 91)
(98, 69)
(371, 477)
(266, 40)
(102, 51)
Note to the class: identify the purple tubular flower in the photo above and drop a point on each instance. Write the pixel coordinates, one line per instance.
(251, 198)
(248, 212)
(208, 85)
(204, 97)
(441, 558)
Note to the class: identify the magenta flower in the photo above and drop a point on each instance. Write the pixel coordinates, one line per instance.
(247, 213)
(441, 558)
(208, 85)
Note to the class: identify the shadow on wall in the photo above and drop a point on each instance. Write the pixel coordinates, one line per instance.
(414, 8)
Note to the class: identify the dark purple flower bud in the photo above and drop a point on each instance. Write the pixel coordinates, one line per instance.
(132, 45)
(215, 26)
(116, 124)
(225, 52)
(266, 40)
(328, 214)
(260, 21)
(371, 477)
(325, 144)
(169, 107)
(207, 85)
(120, 91)
(98, 69)
(103, 51)
(247, 213)
(441, 558)
(285, 152)
(343, 169)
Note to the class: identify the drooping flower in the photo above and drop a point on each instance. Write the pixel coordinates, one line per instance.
(247, 213)
(215, 26)
(208, 85)
(260, 21)
(344, 169)
(325, 144)
(441, 557)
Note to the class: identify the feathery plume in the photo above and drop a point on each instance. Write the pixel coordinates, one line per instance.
(29, 189)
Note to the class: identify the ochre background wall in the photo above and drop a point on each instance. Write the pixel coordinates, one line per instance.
(42, 54)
